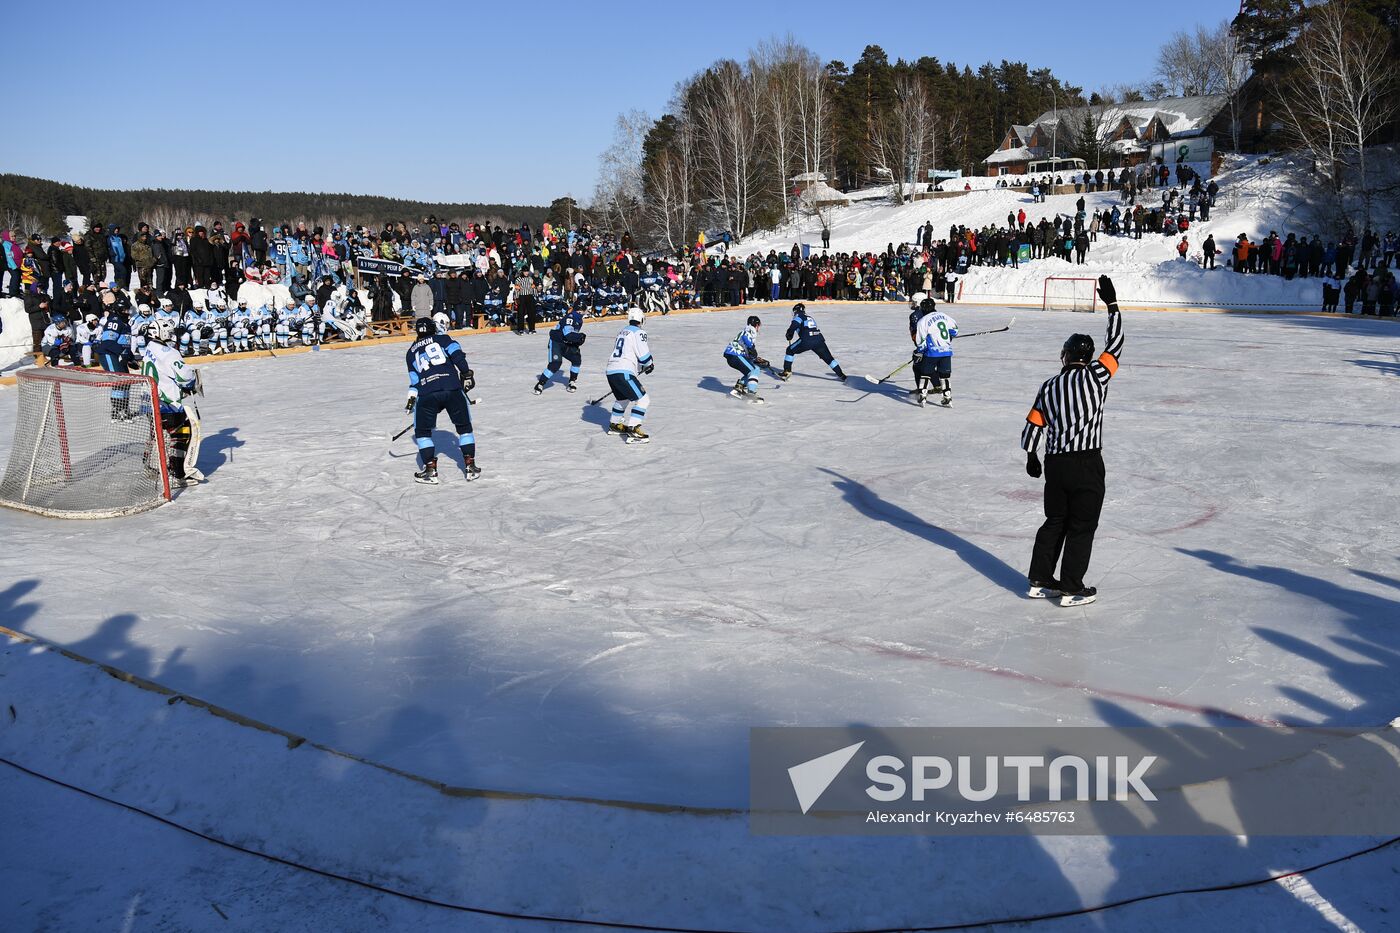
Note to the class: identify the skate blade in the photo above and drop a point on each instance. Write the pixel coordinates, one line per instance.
(636, 440)
(426, 480)
(1069, 602)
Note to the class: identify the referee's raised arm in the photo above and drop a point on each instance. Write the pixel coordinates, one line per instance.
(1068, 415)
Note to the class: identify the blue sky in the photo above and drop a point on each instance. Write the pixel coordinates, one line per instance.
(494, 102)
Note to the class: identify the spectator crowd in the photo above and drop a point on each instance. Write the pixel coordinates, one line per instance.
(345, 283)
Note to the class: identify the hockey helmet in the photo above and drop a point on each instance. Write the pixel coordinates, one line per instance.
(91, 319)
(1079, 348)
(754, 321)
(634, 315)
(917, 299)
(144, 308)
(442, 321)
(798, 308)
(243, 302)
(424, 327)
(928, 306)
(161, 330)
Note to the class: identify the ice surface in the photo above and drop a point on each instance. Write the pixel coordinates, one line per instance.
(607, 621)
(592, 619)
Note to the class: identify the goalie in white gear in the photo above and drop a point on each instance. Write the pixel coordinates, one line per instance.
(174, 380)
(631, 357)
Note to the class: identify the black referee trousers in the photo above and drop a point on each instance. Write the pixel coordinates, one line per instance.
(1074, 490)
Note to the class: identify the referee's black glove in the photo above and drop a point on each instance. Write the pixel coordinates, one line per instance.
(1032, 465)
(1107, 291)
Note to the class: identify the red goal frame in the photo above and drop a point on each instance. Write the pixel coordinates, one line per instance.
(58, 378)
(1093, 287)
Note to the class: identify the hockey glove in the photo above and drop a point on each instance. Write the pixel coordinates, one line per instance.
(1032, 465)
(761, 363)
(648, 369)
(1107, 291)
(469, 380)
(408, 405)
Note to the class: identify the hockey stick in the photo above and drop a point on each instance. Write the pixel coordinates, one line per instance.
(897, 370)
(600, 398)
(979, 333)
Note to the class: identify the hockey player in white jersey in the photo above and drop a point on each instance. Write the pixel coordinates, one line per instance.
(309, 317)
(58, 343)
(240, 326)
(631, 357)
(87, 333)
(933, 353)
(742, 354)
(174, 380)
(143, 316)
(286, 317)
(198, 330)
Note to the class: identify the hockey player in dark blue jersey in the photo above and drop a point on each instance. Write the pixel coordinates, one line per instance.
(803, 334)
(114, 355)
(564, 342)
(439, 379)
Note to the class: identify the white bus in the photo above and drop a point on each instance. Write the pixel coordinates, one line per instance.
(1055, 166)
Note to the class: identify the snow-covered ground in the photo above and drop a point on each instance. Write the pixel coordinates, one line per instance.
(1256, 197)
(602, 621)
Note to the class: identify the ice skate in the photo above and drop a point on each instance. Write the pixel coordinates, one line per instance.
(469, 469)
(1044, 589)
(428, 475)
(1072, 598)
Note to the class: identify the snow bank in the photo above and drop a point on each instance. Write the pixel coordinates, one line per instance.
(1257, 196)
(16, 339)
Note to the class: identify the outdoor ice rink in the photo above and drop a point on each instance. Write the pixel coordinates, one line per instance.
(597, 620)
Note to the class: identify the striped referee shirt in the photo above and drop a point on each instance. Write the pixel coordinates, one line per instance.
(1068, 409)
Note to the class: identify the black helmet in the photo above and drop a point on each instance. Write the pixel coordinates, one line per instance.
(754, 321)
(424, 327)
(798, 308)
(928, 306)
(1079, 348)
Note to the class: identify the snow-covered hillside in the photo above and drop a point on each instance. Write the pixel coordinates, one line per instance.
(1257, 196)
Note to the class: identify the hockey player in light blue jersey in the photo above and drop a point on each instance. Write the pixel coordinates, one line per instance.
(742, 354)
(805, 335)
(631, 358)
(565, 341)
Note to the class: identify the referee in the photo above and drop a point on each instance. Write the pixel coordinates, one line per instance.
(1068, 411)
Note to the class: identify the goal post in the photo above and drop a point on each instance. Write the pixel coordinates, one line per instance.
(87, 444)
(1064, 293)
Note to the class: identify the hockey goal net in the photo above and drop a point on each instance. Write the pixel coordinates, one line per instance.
(87, 444)
(1070, 294)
